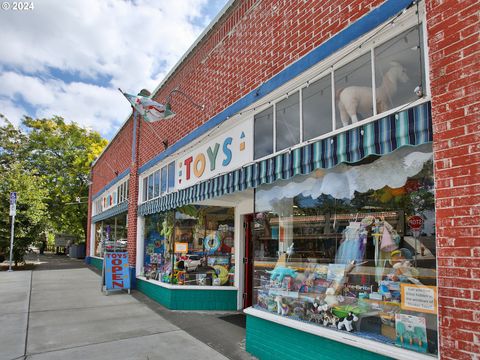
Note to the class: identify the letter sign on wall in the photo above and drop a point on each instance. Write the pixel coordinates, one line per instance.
(223, 153)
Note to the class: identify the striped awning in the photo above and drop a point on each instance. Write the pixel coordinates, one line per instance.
(113, 211)
(406, 128)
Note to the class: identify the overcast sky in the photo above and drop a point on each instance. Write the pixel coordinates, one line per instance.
(68, 58)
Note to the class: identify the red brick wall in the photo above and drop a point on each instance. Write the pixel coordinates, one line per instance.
(454, 50)
(118, 155)
(250, 44)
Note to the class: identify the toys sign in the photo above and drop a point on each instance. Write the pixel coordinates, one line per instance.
(415, 222)
(117, 276)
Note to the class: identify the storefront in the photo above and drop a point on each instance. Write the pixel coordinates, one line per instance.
(109, 227)
(307, 195)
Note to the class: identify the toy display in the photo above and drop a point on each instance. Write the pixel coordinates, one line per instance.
(357, 293)
(192, 246)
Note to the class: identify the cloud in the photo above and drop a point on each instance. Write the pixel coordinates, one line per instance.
(96, 47)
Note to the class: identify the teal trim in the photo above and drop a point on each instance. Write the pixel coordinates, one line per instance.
(271, 341)
(187, 299)
(97, 263)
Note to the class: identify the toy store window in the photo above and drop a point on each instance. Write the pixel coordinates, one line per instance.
(150, 186)
(145, 189)
(204, 246)
(263, 133)
(353, 91)
(164, 180)
(158, 238)
(156, 184)
(287, 122)
(171, 176)
(317, 108)
(353, 248)
(399, 70)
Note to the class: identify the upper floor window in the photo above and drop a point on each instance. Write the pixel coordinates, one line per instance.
(159, 182)
(385, 76)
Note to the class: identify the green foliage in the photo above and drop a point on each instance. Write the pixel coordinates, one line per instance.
(47, 161)
(62, 154)
(31, 209)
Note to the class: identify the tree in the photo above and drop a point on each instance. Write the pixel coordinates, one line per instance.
(61, 153)
(47, 161)
(31, 210)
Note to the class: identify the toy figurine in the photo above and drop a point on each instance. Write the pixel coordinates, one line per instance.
(347, 322)
(330, 297)
(329, 319)
(280, 272)
(282, 309)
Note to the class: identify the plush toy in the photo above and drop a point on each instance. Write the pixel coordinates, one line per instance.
(330, 297)
(280, 272)
(282, 309)
(347, 322)
(329, 319)
(355, 99)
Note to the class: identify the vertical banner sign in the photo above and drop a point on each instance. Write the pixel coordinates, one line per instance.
(13, 203)
(117, 276)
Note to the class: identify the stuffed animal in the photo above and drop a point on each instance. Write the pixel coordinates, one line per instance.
(329, 319)
(280, 272)
(282, 309)
(330, 297)
(354, 99)
(347, 322)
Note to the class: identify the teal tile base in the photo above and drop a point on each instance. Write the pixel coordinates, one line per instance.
(187, 299)
(268, 341)
(97, 263)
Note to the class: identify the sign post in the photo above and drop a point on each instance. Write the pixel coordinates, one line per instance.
(13, 212)
(415, 223)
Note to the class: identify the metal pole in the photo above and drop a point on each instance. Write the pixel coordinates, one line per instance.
(11, 243)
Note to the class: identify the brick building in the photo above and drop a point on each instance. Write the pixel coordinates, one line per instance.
(333, 169)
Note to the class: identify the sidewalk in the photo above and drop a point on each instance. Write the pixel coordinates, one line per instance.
(61, 314)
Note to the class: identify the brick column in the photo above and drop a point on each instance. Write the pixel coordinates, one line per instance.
(133, 197)
(453, 39)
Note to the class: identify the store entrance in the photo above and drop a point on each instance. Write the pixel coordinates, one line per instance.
(248, 261)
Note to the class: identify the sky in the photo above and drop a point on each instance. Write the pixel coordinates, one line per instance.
(68, 58)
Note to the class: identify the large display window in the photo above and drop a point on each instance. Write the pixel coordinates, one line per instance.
(111, 233)
(352, 248)
(193, 245)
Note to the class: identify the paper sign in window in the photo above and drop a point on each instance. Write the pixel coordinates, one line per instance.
(419, 298)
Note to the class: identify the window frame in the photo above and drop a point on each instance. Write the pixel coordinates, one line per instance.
(369, 43)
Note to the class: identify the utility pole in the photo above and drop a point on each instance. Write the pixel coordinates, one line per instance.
(13, 212)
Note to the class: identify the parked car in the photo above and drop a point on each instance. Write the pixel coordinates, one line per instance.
(192, 262)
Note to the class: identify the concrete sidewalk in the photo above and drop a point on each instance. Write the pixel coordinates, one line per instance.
(61, 314)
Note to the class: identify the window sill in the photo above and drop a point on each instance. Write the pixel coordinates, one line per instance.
(343, 337)
(186, 287)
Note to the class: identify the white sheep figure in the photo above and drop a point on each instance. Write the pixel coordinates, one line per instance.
(354, 99)
(282, 309)
(347, 322)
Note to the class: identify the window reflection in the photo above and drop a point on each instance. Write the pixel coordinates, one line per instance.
(398, 70)
(288, 122)
(317, 108)
(263, 133)
(338, 241)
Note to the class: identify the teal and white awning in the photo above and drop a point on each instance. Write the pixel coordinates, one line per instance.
(113, 211)
(406, 128)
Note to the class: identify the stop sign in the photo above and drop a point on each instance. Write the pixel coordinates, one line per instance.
(415, 222)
